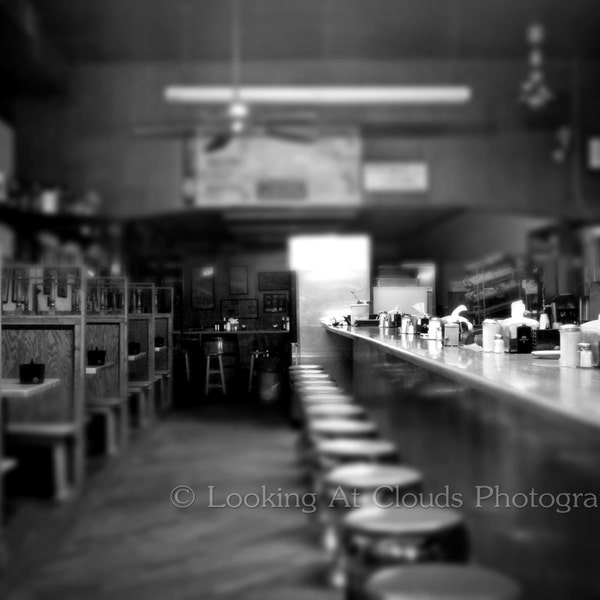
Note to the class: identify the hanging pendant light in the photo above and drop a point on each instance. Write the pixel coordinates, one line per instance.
(534, 91)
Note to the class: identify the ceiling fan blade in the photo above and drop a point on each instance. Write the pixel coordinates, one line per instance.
(304, 135)
(218, 142)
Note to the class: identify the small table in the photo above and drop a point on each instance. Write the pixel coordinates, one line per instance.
(11, 388)
(89, 370)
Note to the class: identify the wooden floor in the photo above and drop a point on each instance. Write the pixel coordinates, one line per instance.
(124, 538)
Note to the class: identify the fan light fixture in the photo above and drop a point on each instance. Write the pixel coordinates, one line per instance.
(319, 95)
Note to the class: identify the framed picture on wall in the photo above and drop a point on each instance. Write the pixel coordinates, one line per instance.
(273, 281)
(239, 309)
(238, 280)
(275, 303)
(202, 288)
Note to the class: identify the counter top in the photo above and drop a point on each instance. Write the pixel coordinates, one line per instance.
(568, 391)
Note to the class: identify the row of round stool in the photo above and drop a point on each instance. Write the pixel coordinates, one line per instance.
(382, 543)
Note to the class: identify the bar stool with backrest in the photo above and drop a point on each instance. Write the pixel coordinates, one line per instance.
(441, 582)
(372, 538)
(213, 349)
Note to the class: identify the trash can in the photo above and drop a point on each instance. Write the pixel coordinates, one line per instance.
(270, 378)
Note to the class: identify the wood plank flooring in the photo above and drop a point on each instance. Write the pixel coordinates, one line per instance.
(124, 538)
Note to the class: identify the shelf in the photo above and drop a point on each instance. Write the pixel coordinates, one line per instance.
(11, 388)
(94, 370)
(160, 349)
(134, 357)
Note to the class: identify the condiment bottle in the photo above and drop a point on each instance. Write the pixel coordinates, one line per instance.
(570, 336)
(585, 355)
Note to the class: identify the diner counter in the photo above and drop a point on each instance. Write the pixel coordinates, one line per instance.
(570, 392)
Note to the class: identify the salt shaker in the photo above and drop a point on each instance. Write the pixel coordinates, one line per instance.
(585, 354)
(498, 343)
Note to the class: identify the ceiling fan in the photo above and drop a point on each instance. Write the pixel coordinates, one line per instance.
(236, 116)
(266, 109)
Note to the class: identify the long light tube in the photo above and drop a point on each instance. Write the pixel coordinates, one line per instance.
(319, 95)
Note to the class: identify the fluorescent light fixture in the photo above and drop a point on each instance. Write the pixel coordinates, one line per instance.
(319, 95)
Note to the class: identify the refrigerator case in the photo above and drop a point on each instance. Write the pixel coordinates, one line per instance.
(404, 297)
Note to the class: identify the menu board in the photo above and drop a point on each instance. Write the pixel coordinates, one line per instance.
(267, 170)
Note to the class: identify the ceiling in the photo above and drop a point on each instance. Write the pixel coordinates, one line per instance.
(279, 30)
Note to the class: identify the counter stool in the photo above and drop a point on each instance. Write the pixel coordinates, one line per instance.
(334, 411)
(331, 429)
(214, 349)
(441, 582)
(318, 397)
(328, 454)
(255, 354)
(334, 453)
(334, 429)
(377, 537)
(358, 486)
(308, 374)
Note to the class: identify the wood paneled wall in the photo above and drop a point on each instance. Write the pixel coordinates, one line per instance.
(491, 155)
(52, 346)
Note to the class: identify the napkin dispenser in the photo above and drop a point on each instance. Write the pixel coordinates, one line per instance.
(159, 341)
(96, 358)
(32, 372)
(133, 348)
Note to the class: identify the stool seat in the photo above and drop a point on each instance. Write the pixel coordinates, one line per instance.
(309, 391)
(373, 538)
(441, 582)
(402, 520)
(316, 398)
(355, 449)
(372, 476)
(298, 378)
(336, 428)
(335, 411)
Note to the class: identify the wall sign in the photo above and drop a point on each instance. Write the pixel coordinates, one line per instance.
(410, 176)
(262, 170)
(202, 286)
